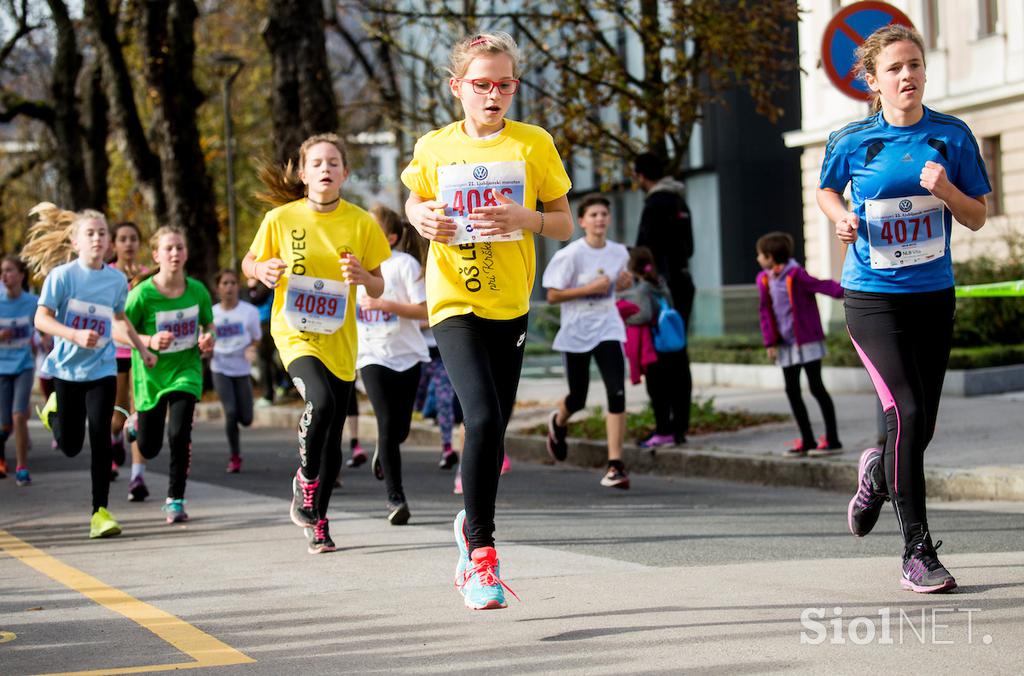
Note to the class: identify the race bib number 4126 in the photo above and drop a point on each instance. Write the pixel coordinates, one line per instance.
(905, 231)
(464, 187)
(90, 316)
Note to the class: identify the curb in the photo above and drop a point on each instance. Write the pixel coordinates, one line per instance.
(838, 475)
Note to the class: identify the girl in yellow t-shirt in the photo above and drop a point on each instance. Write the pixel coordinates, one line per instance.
(475, 186)
(311, 249)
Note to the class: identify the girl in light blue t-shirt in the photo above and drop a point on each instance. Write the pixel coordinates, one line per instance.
(82, 307)
(17, 308)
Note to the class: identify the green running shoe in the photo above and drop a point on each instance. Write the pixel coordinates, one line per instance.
(103, 524)
(48, 409)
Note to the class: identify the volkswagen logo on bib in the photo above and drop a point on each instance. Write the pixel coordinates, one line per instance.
(480, 173)
(180, 314)
(906, 205)
(318, 284)
(92, 309)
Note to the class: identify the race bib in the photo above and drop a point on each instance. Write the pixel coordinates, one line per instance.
(91, 316)
(465, 187)
(905, 231)
(19, 333)
(183, 325)
(316, 305)
(597, 305)
(231, 336)
(375, 324)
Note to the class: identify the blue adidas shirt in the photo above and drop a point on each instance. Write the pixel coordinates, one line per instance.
(17, 316)
(83, 298)
(903, 240)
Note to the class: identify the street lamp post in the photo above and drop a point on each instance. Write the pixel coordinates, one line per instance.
(230, 66)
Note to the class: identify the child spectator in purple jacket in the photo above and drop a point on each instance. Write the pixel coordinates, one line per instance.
(792, 332)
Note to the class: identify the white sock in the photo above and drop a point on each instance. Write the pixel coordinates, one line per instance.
(138, 469)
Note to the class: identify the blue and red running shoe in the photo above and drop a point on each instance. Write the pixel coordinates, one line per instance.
(477, 576)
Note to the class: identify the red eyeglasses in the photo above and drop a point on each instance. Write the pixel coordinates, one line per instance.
(483, 86)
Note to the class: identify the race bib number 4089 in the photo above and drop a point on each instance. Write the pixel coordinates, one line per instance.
(905, 231)
(315, 305)
(464, 187)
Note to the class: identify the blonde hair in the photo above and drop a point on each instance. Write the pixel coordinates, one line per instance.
(473, 46)
(154, 244)
(48, 241)
(282, 184)
(868, 52)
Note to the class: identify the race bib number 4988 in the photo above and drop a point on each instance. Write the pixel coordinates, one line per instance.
(464, 187)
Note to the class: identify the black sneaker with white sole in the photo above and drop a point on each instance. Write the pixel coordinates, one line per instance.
(557, 447)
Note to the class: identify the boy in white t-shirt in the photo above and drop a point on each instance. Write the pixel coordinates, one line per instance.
(583, 277)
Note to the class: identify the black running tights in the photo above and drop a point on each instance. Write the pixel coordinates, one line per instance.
(484, 358)
(77, 402)
(791, 374)
(235, 394)
(904, 339)
(392, 394)
(179, 407)
(611, 364)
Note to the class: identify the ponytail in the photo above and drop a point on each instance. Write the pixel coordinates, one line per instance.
(48, 241)
(641, 264)
(408, 240)
(282, 184)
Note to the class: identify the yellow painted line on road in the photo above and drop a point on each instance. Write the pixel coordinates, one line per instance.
(206, 650)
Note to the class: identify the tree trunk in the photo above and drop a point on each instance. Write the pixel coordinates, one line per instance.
(302, 94)
(97, 162)
(72, 186)
(169, 46)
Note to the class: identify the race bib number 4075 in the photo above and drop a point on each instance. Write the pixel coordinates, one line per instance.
(464, 187)
(905, 231)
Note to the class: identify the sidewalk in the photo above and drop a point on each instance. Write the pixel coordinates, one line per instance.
(976, 454)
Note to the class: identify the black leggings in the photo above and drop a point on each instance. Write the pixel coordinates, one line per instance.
(76, 402)
(327, 399)
(235, 394)
(484, 358)
(791, 374)
(669, 387)
(904, 341)
(392, 394)
(611, 364)
(182, 406)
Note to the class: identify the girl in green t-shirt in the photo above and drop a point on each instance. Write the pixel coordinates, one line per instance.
(174, 317)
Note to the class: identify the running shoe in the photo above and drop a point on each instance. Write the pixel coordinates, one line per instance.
(137, 491)
(922, 571)
(796, 449)
(398, 512)
(175, 508)
(263, 402)
(3, 469)
(457, 490)
(449, 458)
(482, 587)
(558, 449)
(131, 428)
(358, 457)
(825, 448)
(303, 510)
(615, 477)
(378, 469)
(114, 471)
(656, 441)
(21, 477)
(48, 409)
(320, 541)
(866, 504)
(506, 465)
(103, 525)
(459, 526)
(234, 464)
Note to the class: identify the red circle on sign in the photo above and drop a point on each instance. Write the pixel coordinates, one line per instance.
(844, 81)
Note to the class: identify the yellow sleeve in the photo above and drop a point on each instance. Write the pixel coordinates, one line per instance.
(555, 182)
(266, 245)
(420, 177)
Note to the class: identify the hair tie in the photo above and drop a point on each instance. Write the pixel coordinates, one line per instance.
(479, 41)
(648, 268)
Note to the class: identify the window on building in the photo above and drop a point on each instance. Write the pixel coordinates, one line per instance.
(930, 23)
(988, 17)
(992, 154)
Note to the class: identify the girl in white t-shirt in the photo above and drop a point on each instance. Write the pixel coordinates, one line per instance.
(583, 277)
(237, 325)
(391, 349)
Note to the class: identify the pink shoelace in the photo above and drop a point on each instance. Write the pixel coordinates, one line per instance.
(488, 576)
(308, 491)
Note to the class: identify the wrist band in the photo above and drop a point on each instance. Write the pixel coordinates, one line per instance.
(541, 230)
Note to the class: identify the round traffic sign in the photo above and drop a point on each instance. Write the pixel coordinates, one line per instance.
(844, 33)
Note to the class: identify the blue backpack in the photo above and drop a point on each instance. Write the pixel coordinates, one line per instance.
(669, 330)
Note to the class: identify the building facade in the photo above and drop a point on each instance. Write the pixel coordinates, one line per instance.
(975, 69)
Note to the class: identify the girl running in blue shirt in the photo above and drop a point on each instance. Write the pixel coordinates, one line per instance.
(80, 305)
(17, 310)
(911, 171)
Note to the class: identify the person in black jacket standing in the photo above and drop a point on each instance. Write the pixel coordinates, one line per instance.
(666, 229)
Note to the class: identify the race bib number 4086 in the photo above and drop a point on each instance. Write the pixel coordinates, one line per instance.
(464, 187)
(905, 231)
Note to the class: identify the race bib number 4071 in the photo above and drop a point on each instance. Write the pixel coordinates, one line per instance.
(905, 231)
(464, 187)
